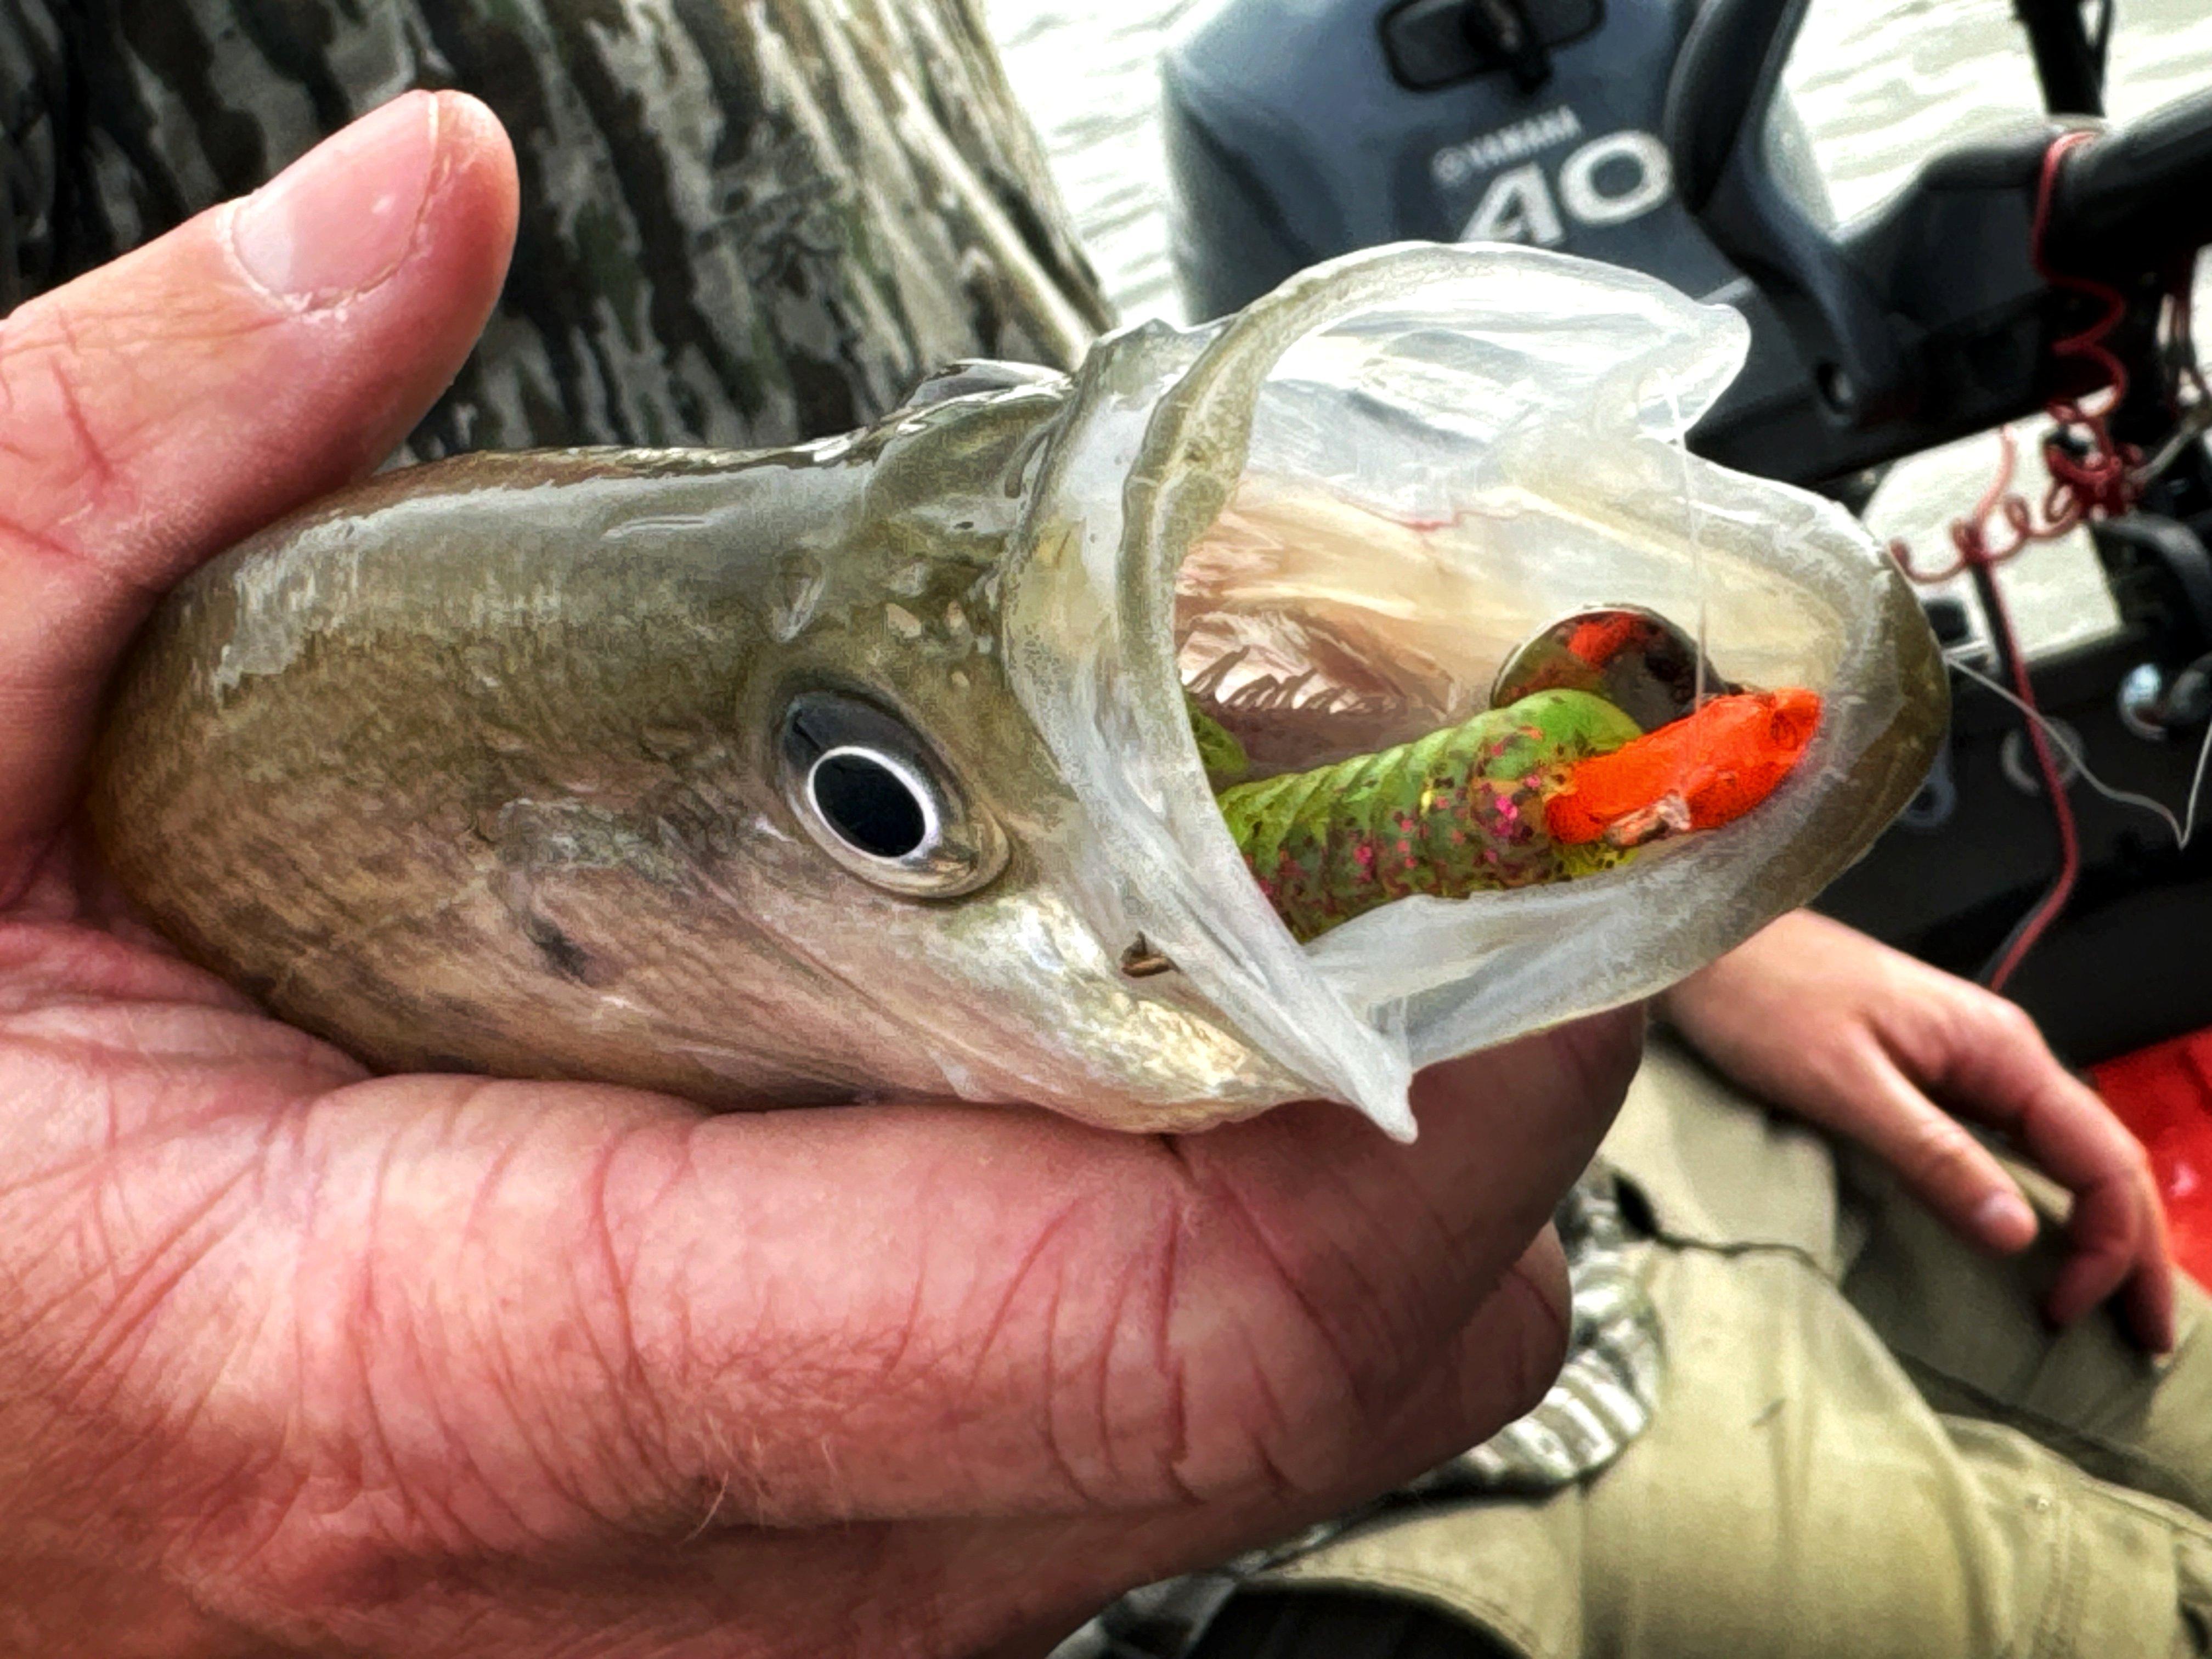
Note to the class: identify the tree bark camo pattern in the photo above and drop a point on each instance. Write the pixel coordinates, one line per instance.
(1459, 811)
(745, 222)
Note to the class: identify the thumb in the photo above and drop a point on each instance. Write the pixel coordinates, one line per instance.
(169, 403)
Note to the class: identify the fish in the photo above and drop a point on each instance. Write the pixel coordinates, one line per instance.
(864, 768)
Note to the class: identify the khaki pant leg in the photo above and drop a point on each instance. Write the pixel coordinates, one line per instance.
(1967, 1328)
(1796, 1495)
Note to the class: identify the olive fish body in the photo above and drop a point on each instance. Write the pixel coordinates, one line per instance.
(698, 772)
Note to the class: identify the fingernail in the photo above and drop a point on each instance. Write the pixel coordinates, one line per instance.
(2005, 1216)
(338, 220)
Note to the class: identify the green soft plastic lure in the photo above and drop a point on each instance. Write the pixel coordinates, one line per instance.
(1456, 813)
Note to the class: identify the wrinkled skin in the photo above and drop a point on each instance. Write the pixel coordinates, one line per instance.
(292, 1360)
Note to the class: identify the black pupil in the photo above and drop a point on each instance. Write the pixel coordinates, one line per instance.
(869, 805)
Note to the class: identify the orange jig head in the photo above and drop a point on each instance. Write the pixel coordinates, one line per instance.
(1706, 769)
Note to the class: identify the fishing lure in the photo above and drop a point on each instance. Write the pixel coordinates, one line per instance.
(1457, 812)
(1560, 784)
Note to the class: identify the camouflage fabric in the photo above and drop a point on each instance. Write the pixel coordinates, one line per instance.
(744, 222)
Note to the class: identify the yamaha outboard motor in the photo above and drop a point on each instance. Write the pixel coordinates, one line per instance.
(1298, 132)
(1653, 134)
(1298, 129)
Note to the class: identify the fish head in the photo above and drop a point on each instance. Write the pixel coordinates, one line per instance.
(922, 859)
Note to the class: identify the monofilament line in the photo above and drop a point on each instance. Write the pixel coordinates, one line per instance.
(1697, 545)
(2183, 827)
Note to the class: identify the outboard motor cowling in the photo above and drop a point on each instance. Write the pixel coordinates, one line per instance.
(1296, 131)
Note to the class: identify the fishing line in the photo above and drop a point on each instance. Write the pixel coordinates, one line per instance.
(1697, 546)
(2183, 829)
(2100, 481)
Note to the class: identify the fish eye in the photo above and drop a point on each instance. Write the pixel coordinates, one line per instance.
(873, 802)
(875, 796)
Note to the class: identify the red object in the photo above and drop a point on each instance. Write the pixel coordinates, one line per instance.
(2164, 1095)
(2101, 482)
(1697, 772)
(1598, 641)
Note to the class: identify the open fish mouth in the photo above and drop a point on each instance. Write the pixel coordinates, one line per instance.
(1377, 506)
(1555, 780)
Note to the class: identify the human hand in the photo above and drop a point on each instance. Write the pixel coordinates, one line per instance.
(291, 1358)
(1819, 1020)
